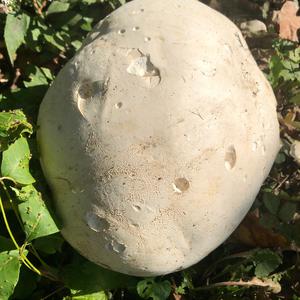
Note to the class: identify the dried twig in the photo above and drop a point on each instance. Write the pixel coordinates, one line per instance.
(38, 8)
(272, 286)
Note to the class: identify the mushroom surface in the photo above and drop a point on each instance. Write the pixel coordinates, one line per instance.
(156, 137)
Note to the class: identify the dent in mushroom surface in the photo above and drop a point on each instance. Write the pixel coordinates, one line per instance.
(167, 129)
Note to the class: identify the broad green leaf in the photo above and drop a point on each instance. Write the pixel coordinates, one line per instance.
(15, 30)
(35, 33)
(34, 214)
(47, 73)
(265, 262)
(38, 77)
(87, 25)
(12, 125)
(271, 202)
(287, 211)
(94, 296)
(156, 290)
(58, 7)
(9, 272)
(76, 44)
(95, 277)
(15, 162)
(187, 283)
(49, 244)
(55, 40)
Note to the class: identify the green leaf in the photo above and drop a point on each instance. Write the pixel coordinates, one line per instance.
(15, 30)
(157, 290)
(271, 202)
(268, 221)
(287, 211)
(276, 67)
(56, 40)
(265, 262)
(12, 125)
(95, 296)
(15, 162)
(9, 272)
(57, 7)
(291, 232)
(38, 77)
(49, 244)
(187, 283)
(281, 158)
(95, 277)
(34, 214)
(76, 44)
(295, 99)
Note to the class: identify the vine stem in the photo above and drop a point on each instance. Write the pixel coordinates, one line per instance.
(24, 259)
(53, 293)
(11, 202)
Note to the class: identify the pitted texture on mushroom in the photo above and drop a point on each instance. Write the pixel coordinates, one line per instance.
(166, 133)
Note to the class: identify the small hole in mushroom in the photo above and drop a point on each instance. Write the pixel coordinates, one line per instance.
(85, 90)
(135, 28)
(230, 158)
(118, 247)
(118, 105)
(147, 39)
(121, 31)
(115, 247)
(181, 185)
(254, 146)
(137, 208)
(95, 222)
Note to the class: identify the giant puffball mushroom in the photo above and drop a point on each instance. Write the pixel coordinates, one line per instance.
(156, 137)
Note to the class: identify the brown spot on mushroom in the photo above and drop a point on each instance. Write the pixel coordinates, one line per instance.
(181, 185)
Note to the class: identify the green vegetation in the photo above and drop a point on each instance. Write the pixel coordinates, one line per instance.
(260, 261)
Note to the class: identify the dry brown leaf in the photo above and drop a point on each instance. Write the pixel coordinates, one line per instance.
(269, 284)
(288, 21)
(251, 233)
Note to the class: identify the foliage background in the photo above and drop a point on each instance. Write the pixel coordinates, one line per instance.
(259, 261)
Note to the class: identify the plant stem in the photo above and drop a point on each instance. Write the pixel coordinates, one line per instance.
(12, 204)
(24, 259)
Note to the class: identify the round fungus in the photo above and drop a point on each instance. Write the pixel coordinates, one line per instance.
(175, 136)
